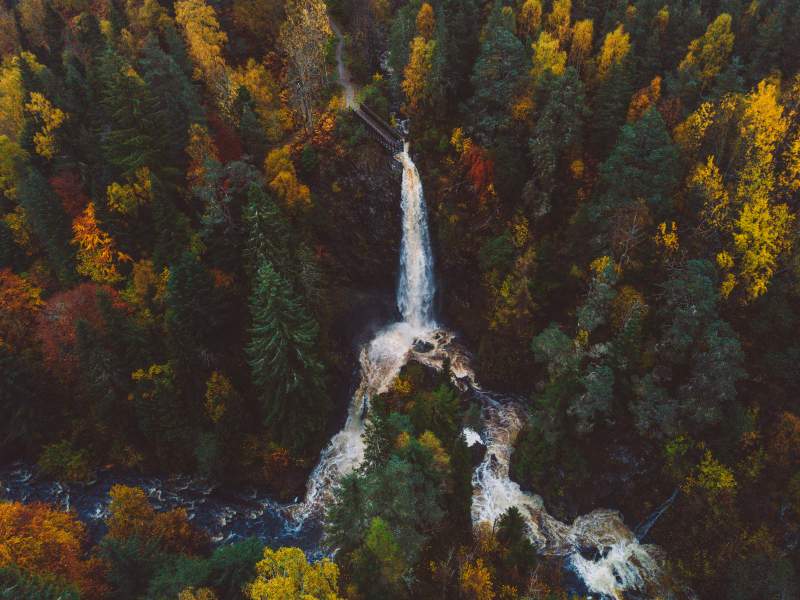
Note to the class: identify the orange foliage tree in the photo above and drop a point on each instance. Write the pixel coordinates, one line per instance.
(41, 540)
(132, 515)
(20, 302)
(97, 257)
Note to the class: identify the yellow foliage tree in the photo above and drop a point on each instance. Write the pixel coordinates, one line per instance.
(644, 99)
(709, 53)
(547, 56)
(711, 476)
(666, 237)
(762, 232)
(20, 303)
(49, 119)
(145, 16)
(12, 97)
(17, 222)
(475, 581)
(219, 390)
(558, 21)
(42, 540)
(197, 594)
(706, 179)
(127, 197)
(265, 93)
(416, 76)
(205, 41)
(97, 258)
(11, 157)
(690, 133)
(756, 227)
(132, 515)
(146, 288)
(304, 35)
(426, 21)
(282, 179)
(201, 148)
(285, 574)
(616, 46)
(581, 44)
(763, 228)
(530, 18)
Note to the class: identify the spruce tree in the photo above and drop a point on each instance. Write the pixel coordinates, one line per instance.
(192, 312)
(644, 164)
(283, 360)
(498, 74)
(49, 223)
(140, 132)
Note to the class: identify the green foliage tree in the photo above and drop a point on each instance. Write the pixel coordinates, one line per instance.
(643, 166)
(283, 359)
(498, 74)
(49, 223)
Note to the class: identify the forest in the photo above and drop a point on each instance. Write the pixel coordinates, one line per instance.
(199, 234)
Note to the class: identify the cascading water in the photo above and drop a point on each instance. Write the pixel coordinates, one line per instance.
(383, 357)
(617, 561)
(416, 288)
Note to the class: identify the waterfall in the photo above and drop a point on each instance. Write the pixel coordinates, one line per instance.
(381, 359)
(416, 287)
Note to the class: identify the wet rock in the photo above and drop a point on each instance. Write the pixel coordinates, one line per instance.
(423, 346)
(476, 452)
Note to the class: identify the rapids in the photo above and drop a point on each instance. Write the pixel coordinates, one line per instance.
(598, 547)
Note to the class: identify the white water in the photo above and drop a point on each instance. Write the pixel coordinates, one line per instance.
(618, 564)
(383, 357)
(416, 288)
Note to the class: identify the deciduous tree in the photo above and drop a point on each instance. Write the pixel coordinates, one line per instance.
(303, 37)
(286, 573)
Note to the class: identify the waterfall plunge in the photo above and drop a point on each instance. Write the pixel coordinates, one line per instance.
(382, 358)
(416, 287)
(620, 564)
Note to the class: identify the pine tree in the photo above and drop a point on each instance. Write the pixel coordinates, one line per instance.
(192, 311)
(498, 75)
(141, 133)
(644, 165)
(49, 223)
(283, 359)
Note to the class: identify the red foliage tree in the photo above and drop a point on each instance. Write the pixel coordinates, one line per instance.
(227, 141)
(56, 325)
(69, 187)
(480, 171)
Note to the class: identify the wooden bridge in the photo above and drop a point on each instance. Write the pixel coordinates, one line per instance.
(386, 135)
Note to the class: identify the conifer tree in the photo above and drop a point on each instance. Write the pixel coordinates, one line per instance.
(643, 165)
(498, 74)
(49, 223)
(283, 359)
(192, 311)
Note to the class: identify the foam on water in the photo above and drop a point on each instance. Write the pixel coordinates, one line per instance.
(383, 357)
